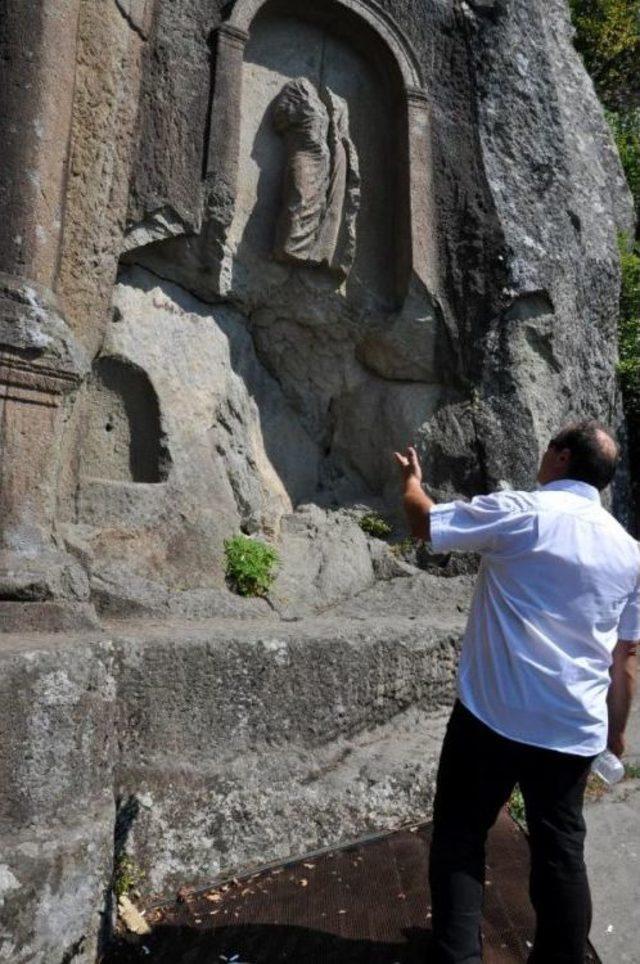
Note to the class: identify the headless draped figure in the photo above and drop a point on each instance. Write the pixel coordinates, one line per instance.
(321, 174)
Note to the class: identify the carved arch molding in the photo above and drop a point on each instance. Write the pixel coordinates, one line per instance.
(245, 11)
(413, 141)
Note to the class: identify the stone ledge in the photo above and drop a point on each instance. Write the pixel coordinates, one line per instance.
(224, 744)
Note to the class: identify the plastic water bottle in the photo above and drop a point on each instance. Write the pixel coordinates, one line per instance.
(608, 767)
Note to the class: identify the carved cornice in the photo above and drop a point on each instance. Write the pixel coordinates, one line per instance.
(27, 380)
(417, 97)
(234, 36)
(34, 335)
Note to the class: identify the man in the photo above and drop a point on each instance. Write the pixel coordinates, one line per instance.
(546, 679)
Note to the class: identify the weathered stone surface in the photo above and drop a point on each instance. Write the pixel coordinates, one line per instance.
(124, 596)
(174, 100)
(30, 322)
(237, 821)
(230, 743)
(424, 597)
(409, 346)
(254, 743)
(325, 558)
(503, 331)
(487, 339)
(560, 202)
(40, 362)
(38, 48)
(236, 457)
(56, 804)
(103, 137)
(138, 13)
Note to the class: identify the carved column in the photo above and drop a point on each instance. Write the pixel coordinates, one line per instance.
(422, 214)
(39, 360)
(224, 141)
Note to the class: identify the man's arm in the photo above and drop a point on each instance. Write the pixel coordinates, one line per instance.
(621, 691)
(417, 504)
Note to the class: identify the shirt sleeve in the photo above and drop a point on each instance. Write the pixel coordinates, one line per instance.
(489, 523)
(629, 625)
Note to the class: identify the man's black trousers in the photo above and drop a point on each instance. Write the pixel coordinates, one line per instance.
(478, 770)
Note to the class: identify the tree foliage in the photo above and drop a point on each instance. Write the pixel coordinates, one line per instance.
(608, 37)
(625, 125)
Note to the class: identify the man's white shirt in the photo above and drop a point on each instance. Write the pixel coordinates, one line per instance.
(559, 584)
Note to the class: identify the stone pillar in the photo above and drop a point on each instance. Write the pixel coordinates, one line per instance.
(224, 141)
(40, 362)
(422, 213)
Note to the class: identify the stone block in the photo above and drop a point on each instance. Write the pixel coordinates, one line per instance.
(57, 701)
(252, 743)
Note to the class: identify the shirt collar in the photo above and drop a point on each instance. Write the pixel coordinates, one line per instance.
(573, 485)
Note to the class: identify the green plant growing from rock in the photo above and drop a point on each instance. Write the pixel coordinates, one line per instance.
(374, 525)
(127, 876)
(402, 548)
(516, 807)
(249, 565)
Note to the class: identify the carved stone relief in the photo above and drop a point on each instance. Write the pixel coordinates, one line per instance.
(316, 165)
(317, 224)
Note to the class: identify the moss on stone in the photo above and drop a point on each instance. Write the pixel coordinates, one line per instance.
(374, 525)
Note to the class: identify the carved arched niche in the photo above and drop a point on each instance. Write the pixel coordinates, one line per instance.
(357, 51)
(122, 439)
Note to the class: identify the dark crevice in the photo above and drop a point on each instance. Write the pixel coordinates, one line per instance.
(74, 951)
(126, 812)
(131, 22)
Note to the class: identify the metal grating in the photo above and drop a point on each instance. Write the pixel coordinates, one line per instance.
(367, 904)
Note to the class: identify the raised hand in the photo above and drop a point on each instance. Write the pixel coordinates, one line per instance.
(409, 464)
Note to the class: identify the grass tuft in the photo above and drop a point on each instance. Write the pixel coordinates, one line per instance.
(516, 807)
(374, 525)
(127, 876)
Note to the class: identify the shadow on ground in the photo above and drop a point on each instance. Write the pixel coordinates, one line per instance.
(268, 944)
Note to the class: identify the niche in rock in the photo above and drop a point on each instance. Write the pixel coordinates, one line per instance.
(123, 438)
(319, 180)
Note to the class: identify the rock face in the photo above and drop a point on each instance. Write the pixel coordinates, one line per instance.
(474, 195)
(201, 749)
(214, 321)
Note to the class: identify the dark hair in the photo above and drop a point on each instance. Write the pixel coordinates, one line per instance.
(592, 460)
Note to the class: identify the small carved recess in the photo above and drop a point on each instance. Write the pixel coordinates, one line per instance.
(123, 439)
